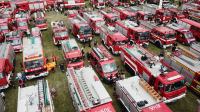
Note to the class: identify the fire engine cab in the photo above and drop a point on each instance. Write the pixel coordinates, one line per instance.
(136, 34)
(35, 98)
(60, 32)
(182, 35)
(103, 62)
(73, 3)
(167, 82)
(98, 3)
(113, 39)
(21, 24)
(7, 57)
(186, 63)
(15, 39)
(95, 20)
(72, 54)
(161, 36)
(138, 96)
(110, 16)
(80, 28)
(39, 20)
(87, 91)
(33, 58)
(125, 13)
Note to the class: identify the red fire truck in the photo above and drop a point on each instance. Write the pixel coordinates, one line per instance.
(87, 91)
(59, 32)
(186, 63)
(191, 25)
(73, 3)
(35, 32)
(167, 82)
(177, 14)
(98, 3)
(15, 39)
(136, 34)
(3, 29)
(80, 28)
(7, 57)
(21, 14)
(20, 4)
(126, 13)
(72, 54)
(110, 16)
(103, 62)
(33, 58)
(39, 20)
(161, 36)
(138, 96)
(113, 39)
(95, 20)
(21, 24)
(36, 5)
(182, 35)
(71, 13)
(5, 3)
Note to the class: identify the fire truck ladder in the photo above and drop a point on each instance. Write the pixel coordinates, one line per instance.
(81, 19)
(188, 53)
(80, 92)
(41, 93)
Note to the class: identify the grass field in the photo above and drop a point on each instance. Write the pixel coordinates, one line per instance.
(57, 80)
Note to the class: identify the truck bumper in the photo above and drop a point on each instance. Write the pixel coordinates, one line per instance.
(175, 98)
(29, 77)
(166, 46)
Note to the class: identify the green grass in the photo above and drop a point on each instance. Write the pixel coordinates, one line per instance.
(62, 101)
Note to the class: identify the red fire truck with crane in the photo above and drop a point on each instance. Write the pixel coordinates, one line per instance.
(39, 20)
(80, 28)
(34, 60)
(182, 35)
(136, 34)
(103, 62)
(95, 20)
(7, 58)
(186, 63)
(138, 96)
(98, 3)
(87, 91)
(60, 32)
(35, 98)
(72, 54)
(113, 39)
(110, 16)
(161, 36)
(125, 13)
(167, 82)
(191, 25)
(15, 39)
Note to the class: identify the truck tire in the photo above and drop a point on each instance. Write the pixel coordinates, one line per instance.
(158, 44)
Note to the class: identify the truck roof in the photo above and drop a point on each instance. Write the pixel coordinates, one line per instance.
(94, 16)
(32, 48)
(32, 97)
(109, 13)
(101, 53)
(58, 26)
(177, 27)
(164, 30)
(89, 90)
(191, 22)
(139, 90)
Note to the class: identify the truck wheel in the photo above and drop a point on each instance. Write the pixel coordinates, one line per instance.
(158, 44)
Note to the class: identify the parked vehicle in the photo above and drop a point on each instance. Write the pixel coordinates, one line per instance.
(103, 62)
(125, 13)
(98, 3)
(72, 54)
(160, 35)
(7, 58)
(182, 35)
(35, 32)
(71, 13)
(88, 93)
(15, 39)
(136, 33)
(34, 60)
(21, 24)
(195, 48)
(72, 3)
(80, 29)
(35, 98)
(166, 81)
(186, 63)
(138, 96)
(39, 20)
(110, 16)
(113, 39)
(4, 28)
(177, 14)
(95, 20)
(60, 32)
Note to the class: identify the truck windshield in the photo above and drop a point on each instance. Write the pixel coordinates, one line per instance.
(109, 67)
(61, 34)
(14, 42)
(22, 24)
(169, 36)
(175, 86)
(143, 35)
(85, 30)
(3, 27)
(40, 21)
(34, 64)
(188, 35)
